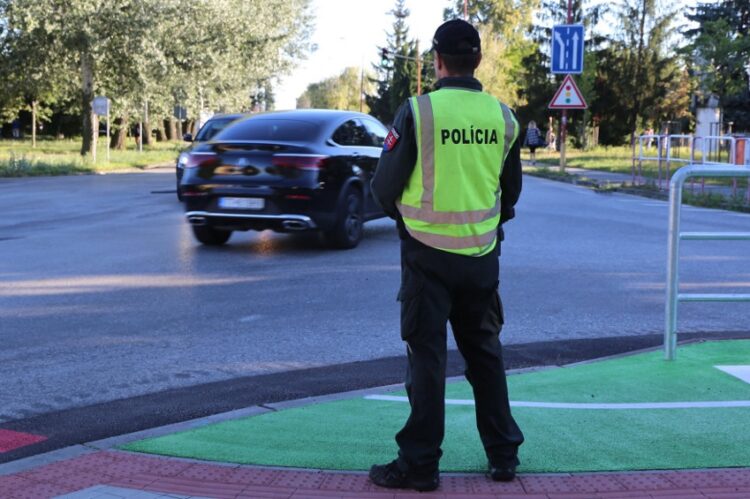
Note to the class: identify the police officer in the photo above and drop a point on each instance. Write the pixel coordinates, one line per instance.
(450, 174)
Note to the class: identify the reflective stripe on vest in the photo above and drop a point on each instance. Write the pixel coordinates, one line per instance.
(466, 231)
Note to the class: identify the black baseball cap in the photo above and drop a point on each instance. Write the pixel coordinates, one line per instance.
(456, 37)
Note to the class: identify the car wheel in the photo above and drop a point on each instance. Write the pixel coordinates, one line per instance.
(347, 233)
(179, 192)
(210, 236)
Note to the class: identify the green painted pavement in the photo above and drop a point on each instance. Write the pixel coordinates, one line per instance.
(353, 434)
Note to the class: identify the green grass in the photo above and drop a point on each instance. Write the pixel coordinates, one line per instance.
(353, 434)
(62, 157)
(619, 160)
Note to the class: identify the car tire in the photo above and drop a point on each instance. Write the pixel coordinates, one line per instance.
(347, 233)
(179, 192)
(210, 236)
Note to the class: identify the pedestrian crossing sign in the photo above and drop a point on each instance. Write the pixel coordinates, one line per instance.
(568, 96)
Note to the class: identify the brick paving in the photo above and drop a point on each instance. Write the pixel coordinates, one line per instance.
(113, 474)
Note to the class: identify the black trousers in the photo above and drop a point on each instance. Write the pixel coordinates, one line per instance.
(437, 287)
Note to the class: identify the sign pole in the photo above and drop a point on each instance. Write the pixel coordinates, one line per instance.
(564, 120)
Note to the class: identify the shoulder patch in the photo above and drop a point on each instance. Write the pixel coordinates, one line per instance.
(391, 139)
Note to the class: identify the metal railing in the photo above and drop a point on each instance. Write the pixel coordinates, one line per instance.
(673, 247)
(704, 150)
(641, 158)
(709, 144)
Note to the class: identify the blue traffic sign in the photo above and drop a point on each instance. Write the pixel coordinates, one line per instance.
(567, 49)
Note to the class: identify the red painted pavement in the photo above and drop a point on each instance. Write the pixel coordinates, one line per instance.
(10, 440)
(176, 476)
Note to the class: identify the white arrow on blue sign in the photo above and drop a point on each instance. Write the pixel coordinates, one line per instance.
(567, 49)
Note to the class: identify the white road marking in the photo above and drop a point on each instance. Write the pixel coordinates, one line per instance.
(585, 406)
(741, 372)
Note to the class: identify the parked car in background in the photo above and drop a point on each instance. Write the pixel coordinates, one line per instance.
(210, 128)
(288, 171)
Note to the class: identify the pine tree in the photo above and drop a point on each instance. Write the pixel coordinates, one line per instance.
(395, 75)
(721, 46)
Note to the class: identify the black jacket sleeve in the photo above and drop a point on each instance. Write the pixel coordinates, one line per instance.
(510, 183)
(396, 164)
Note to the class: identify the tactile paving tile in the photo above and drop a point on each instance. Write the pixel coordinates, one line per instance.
(695, 479)
(118, 468)
(483, 485)
(253, 476)
(209, 473)
(299, 479)
(77, 480)
(263, 491)
(168, 468)
(548, 483)
(737, 494)
(597, 482)
(10, 440)
(352, 482)
(735, 478)
(645, 481)
(10, 483)
(191, 487)
(134, 482)
(39, 490)
(456, 484)
(51, 472)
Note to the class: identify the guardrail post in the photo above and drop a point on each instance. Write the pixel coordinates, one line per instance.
(674, 297)
(673, 247)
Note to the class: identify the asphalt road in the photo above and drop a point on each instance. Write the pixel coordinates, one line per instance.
(104, 295)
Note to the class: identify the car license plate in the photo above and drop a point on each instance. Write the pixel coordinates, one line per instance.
(242, 203)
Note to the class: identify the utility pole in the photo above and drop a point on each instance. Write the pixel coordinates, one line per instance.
(385, 54)
(466, 10)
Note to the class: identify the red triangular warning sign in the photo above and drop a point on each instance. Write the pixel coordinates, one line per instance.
(568, 96)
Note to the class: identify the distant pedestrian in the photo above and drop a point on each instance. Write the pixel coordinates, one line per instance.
(649, 133)
(551, 146)
(533, 140)
(16, 128)
(136, 132)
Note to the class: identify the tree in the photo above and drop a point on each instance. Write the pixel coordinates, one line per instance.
(637, 67)
(162, 51)
(396, 75)
(509, 19)
(34, 77)
(504, 26)
(337, 92)
(720, 45)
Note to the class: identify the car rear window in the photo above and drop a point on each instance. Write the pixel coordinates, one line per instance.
(211, 128)
(270, 129)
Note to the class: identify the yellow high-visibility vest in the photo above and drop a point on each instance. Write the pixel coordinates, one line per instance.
(452, 199)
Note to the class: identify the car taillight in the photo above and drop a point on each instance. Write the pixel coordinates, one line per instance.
(200, 159)
(299, 161)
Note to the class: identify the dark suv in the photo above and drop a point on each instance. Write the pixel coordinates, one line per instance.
(287, 171)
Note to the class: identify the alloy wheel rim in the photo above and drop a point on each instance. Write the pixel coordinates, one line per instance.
(353, 219)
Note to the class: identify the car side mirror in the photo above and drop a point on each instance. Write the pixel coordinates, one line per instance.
(188, 137)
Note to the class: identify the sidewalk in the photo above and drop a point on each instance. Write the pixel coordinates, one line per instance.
(592, 432)
(112, 474)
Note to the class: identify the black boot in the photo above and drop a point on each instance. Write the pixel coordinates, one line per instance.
(393, 477)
